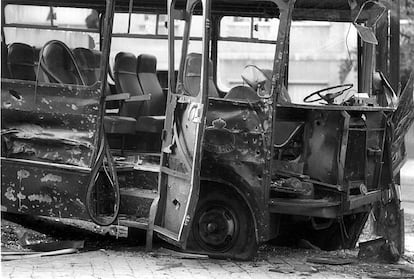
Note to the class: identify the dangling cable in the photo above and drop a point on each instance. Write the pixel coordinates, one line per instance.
(102, 153)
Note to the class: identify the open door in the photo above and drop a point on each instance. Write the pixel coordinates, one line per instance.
(179, 179)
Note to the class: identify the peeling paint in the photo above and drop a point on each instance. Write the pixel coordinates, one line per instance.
(51, 178)
(10, 194)
(7, 105)
(45, 101)
(21, 196)
(21, 174)
(79, 202)
(40, 198)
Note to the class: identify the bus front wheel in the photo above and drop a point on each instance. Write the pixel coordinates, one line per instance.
(223, 226)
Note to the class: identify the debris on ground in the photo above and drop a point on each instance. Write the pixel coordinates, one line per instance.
(17, 236)
(171, 253)
(331, 260)
(56, 245)
(378, 250)
(25, 255)
(304, 268)
(169, 266)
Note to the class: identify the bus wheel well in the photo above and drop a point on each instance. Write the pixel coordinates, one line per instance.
(223, 224)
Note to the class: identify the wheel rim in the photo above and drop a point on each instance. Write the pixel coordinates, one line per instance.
(217, 228)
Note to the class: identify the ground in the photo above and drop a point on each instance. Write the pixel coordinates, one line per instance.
(107, 257)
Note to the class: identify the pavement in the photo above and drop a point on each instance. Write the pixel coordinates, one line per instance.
(138, 264)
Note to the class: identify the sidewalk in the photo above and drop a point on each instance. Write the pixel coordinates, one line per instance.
(273, 263)
(138, 264)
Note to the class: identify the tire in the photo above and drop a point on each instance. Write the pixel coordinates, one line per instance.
(223, 226)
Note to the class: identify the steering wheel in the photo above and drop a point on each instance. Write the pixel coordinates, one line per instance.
(328, 97)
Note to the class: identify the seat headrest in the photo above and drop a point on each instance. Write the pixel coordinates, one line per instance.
(56, 56)
(146, 64)
(22, 54)
(84, 57)
(59, 64)
(125, 62)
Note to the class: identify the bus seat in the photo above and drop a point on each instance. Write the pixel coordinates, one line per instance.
(147, 76)
(126, 81)
(152, 116)
(86, 62)
(5, 73)
(21, 61)
(242, 93)
(59, 65)
(192, 76)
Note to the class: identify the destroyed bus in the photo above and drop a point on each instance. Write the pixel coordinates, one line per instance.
(215, 124)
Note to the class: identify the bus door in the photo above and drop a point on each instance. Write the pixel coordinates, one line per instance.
(179, 178)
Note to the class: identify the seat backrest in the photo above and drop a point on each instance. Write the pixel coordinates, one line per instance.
(192, 76)
(86, 62)
(5, 73)
(59, 65)
(147, 76)
(21, 61)
(126, 81)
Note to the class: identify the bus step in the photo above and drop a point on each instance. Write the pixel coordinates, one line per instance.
(138, 162)
(138, 193)
(133, 222)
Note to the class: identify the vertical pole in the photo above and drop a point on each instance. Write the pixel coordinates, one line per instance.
(395, 45)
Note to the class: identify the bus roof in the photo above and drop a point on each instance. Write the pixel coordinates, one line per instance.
(310, 8)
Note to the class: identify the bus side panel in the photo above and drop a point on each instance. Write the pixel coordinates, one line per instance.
(50, 135)
(50, 123)
(40, 190)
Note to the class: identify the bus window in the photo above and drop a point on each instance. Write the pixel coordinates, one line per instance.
(81, 26)
(321, 54)
(75, 32)
(149, 38)
(140, 23)
(254, 45)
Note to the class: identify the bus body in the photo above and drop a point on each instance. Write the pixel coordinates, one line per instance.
(211, 162)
